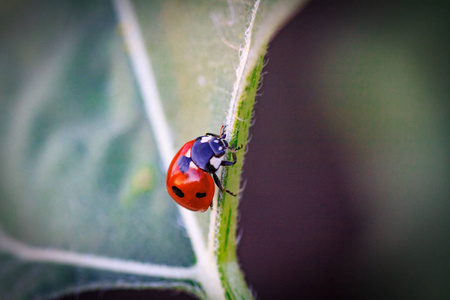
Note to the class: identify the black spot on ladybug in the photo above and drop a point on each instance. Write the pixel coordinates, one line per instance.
(183, 163)
(177, 192)
(200, 195)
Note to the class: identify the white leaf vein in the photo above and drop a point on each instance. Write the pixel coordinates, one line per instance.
(49, 255)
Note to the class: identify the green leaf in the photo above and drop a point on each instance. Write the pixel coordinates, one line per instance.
(95, 99)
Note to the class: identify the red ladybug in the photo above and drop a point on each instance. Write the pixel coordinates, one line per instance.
(188, 178)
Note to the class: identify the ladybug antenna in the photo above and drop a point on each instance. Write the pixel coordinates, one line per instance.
(222, 132)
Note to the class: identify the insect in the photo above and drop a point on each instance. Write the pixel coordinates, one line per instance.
(189, 180)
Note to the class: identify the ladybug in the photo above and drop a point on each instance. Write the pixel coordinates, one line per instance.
(189, 180)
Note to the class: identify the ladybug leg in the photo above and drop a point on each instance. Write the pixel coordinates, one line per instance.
(234, 150)
(220, 186)
(227, 163)
(213, 134)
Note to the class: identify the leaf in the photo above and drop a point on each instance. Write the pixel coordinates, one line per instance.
(91, 112)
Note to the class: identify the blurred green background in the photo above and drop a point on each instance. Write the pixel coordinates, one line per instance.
(347, 174)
